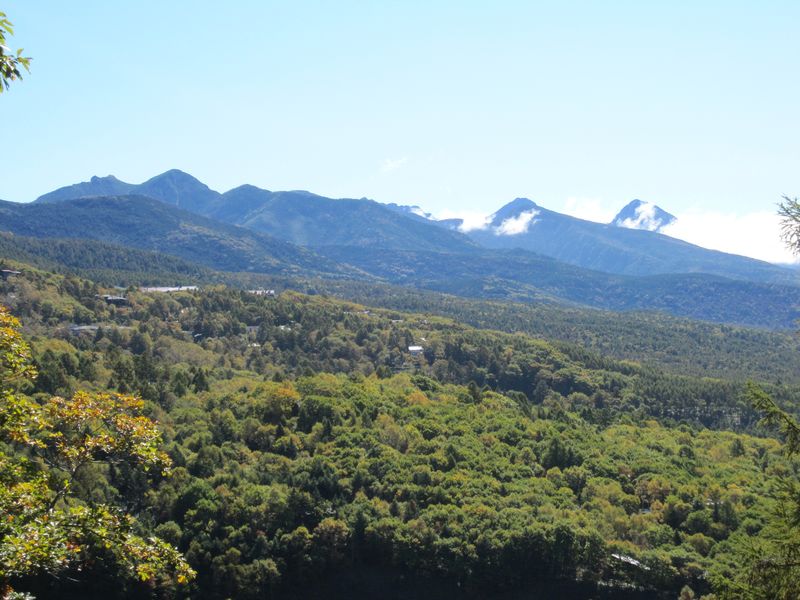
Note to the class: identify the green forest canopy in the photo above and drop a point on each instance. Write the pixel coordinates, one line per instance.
(308, 441)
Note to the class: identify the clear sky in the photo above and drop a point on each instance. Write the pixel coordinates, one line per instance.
(455, 106)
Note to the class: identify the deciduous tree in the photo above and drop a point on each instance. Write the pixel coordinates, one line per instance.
(48, 525)
(11, 62)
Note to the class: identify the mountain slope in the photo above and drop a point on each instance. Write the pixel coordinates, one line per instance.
(103, 262)
(525, 225)
(149, 224)
(311, 220)
(678, 345)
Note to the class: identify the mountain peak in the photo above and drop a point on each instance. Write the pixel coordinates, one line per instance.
(515, 217)
(178, 188)
(245, 188)
(176, 176)
(516, 206)
(107, 179)
(638, 214)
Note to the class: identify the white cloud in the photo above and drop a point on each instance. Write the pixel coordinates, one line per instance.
(393, 164)
(645, 218)
(470, 220)
(589, 209)
(473, 222)
(755, 234)
(517, 225)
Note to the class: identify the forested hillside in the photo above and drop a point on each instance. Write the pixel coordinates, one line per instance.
(678, 345)
(526, 277)
(311, 443)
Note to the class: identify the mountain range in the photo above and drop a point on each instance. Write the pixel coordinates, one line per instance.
(298, 217)
(629, 245)
(610, 248)
(523, 251)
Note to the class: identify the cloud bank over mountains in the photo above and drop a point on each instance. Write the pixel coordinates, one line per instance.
(645, 219)
(755, 234)
(517, 225)
(471, 221)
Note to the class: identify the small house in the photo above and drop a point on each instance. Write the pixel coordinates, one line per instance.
(6, 273)
(168, 289)
(116, 300)
(83, 329)
(415, 350)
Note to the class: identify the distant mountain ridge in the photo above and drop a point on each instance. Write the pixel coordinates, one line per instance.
(299, 217)
(628, 246)
(148, 224)
(522, 224)
(96, 186)
(311, 220)
(527, 277)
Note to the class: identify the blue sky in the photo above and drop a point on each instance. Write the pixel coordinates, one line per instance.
(456, 106)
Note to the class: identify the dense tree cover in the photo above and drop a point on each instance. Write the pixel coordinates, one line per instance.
(679, 345)
(308, 442)
(772, 565)
(142, 347)
(286, 481)
(102, 262)
(51, 454)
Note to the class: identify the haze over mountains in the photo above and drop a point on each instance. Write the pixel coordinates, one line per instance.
(523, 251)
